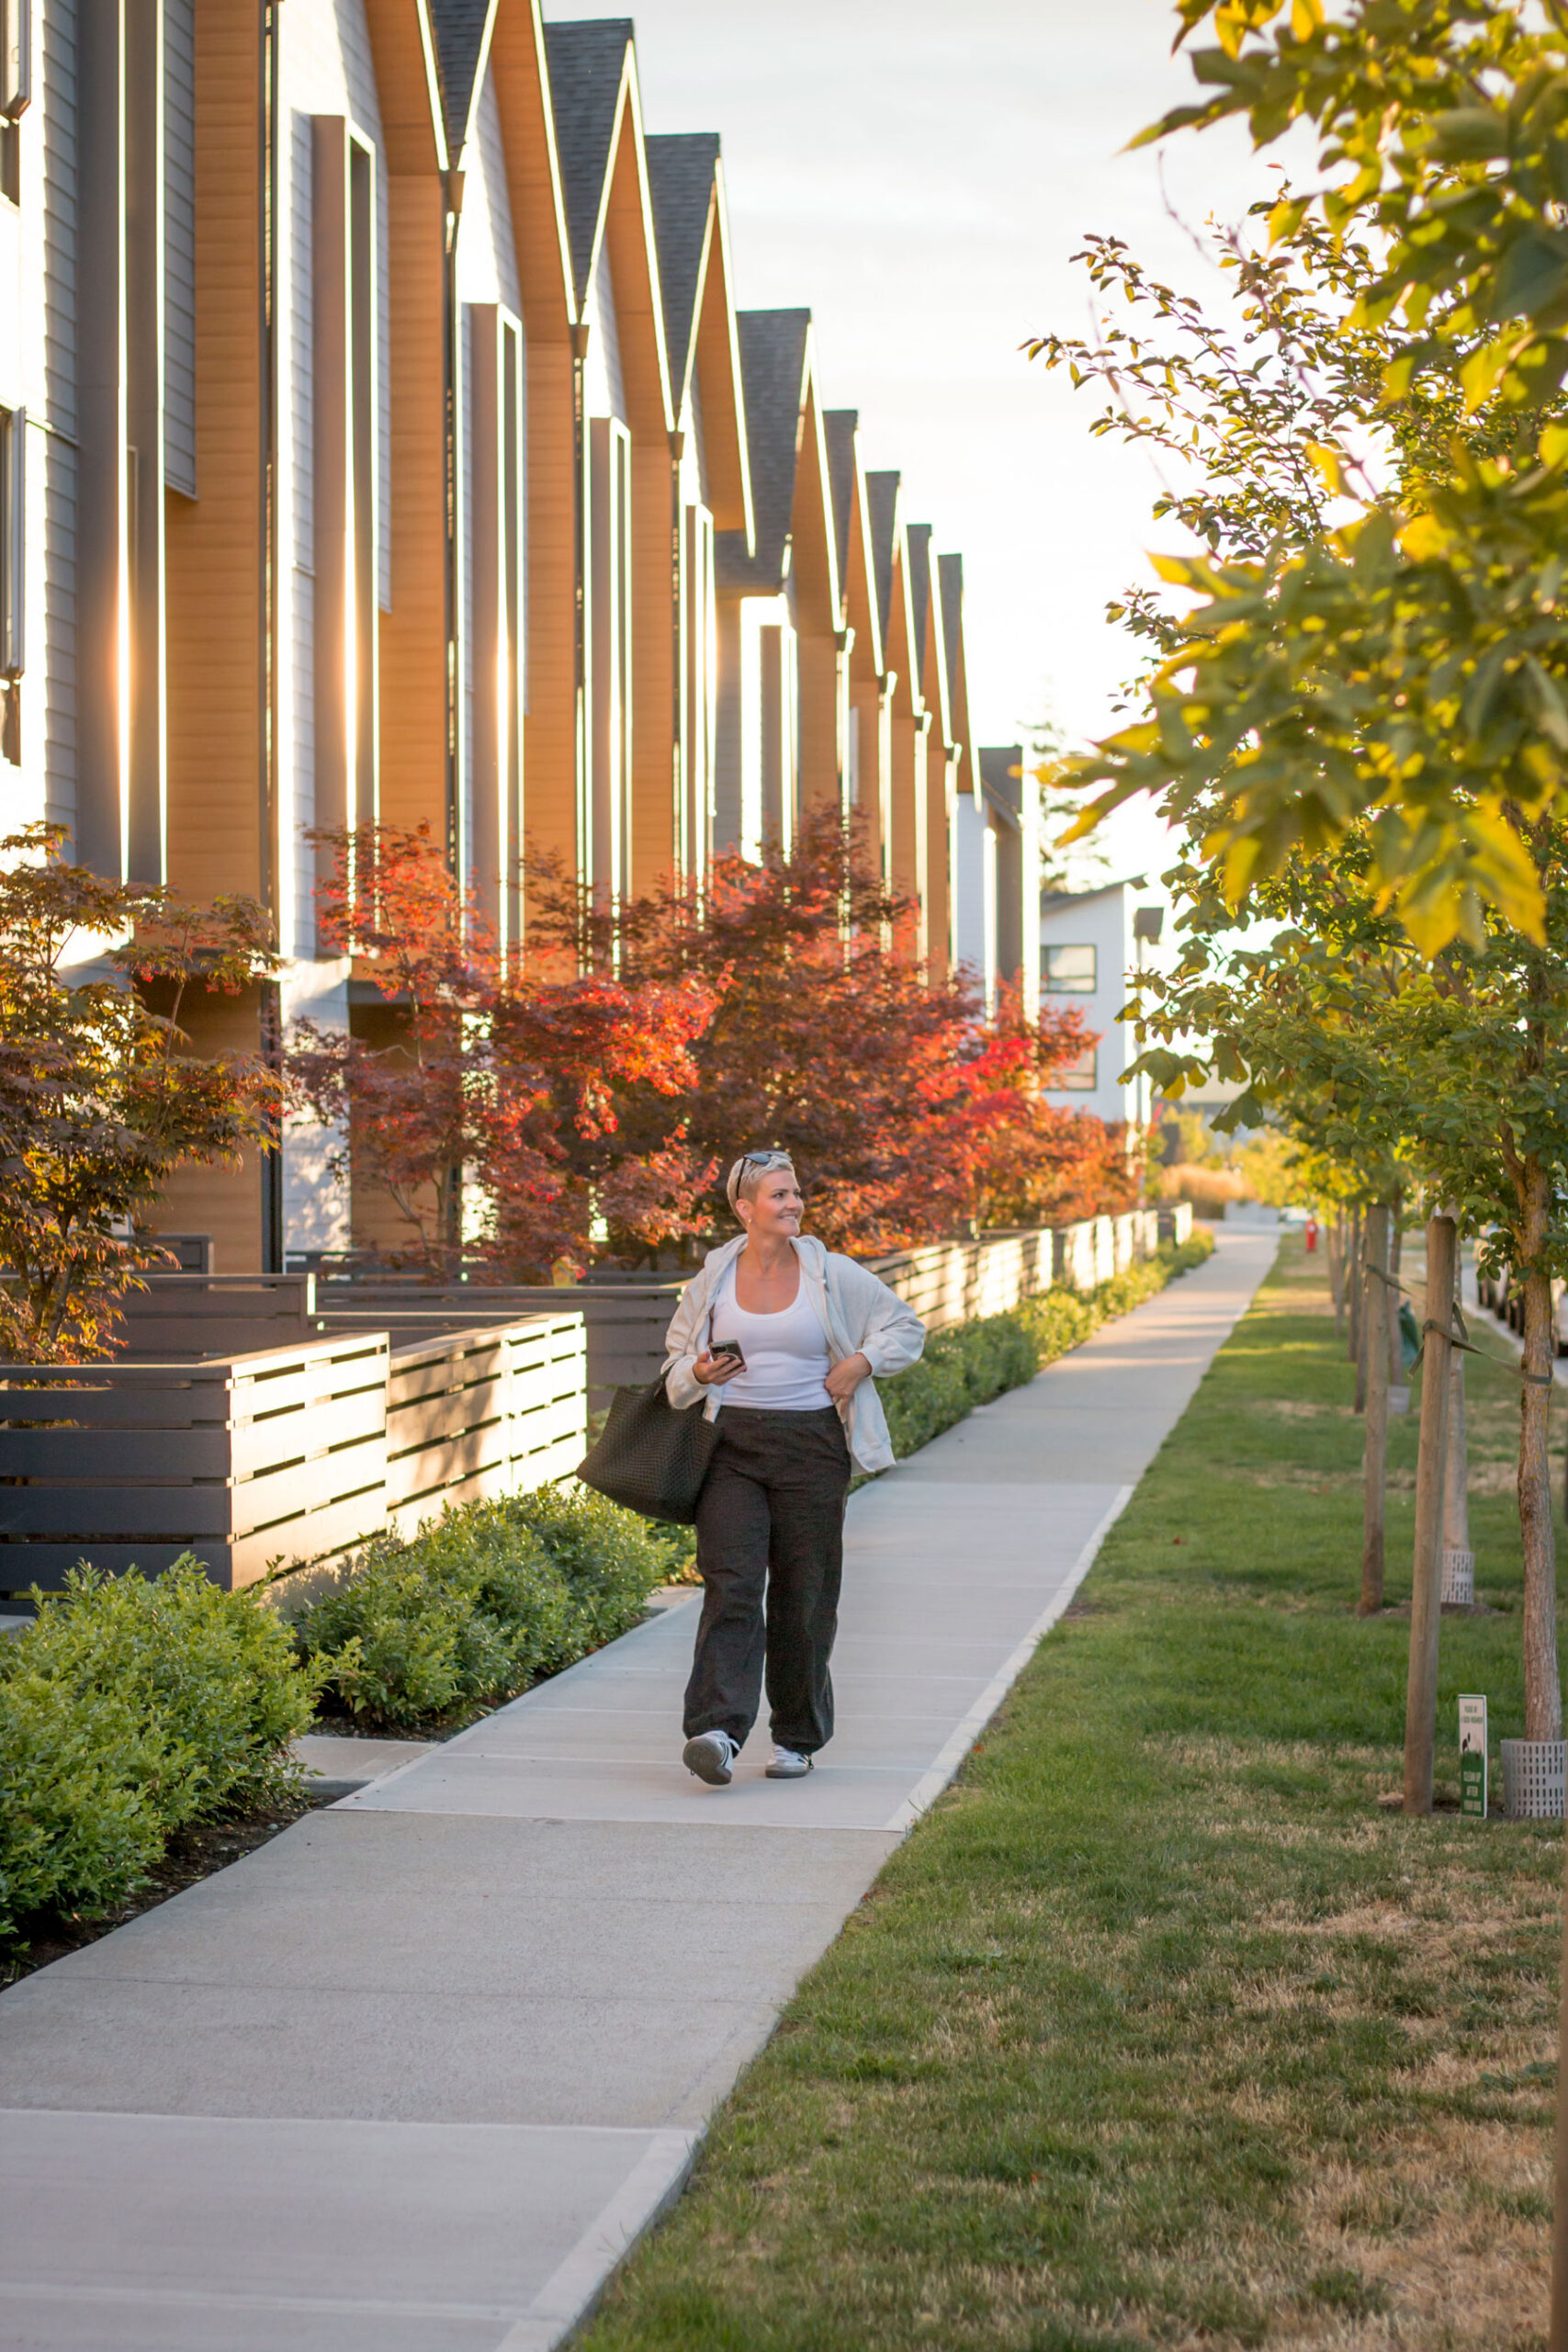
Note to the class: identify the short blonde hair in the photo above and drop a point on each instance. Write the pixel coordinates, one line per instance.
(748, 1171)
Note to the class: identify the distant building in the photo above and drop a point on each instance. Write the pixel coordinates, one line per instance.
(1090, 941)
(996, 867)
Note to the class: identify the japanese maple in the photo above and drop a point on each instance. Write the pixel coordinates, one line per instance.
(99, 1100)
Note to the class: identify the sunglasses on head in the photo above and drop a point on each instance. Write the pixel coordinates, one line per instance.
(766, 1160)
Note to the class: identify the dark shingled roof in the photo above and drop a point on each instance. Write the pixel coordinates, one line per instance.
(680, 168)
(950, 574)
(881, 499)
(586, 61)
(918, 539)
(841, 425)
(1001, 778)
(773, 375)
(459, 28)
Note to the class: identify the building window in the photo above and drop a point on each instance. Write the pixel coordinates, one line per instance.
(1069, 971)
(16, 89)
(1082, 1076)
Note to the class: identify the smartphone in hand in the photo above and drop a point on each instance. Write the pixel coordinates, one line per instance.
(728, 1348)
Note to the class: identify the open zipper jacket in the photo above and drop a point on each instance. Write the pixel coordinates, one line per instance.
(860, 1315)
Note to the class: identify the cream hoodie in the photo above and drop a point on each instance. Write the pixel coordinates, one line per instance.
(860, 1315)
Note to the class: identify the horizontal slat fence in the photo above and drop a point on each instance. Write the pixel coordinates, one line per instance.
(391, 1398)
(218, 1314)
(947, 1282)
(289, 1455)
(626, 1322)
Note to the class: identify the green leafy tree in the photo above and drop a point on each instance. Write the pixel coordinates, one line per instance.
(1453, 1071)
(1407, 668)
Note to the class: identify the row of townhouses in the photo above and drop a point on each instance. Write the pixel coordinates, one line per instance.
(380, 439)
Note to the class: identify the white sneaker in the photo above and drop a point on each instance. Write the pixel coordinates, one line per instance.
(711, 1756)
(788, 1764)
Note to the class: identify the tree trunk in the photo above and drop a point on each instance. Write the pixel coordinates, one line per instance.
(1354, 1285)
(1543, 1691)
(1374, 1359)
(1426, 1606)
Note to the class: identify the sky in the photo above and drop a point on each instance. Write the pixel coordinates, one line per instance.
(919, 175)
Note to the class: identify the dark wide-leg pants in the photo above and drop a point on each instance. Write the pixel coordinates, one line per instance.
(771, 1550)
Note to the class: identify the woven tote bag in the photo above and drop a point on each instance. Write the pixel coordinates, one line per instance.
(650, 1456)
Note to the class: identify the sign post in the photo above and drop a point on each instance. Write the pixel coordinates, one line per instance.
(1472, 1757)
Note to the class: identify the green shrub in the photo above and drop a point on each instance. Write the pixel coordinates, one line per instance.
(478, 1604)
(969, 1364)
(129, 1708)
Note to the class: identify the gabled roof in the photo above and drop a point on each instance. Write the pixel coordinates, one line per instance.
(949, 576)
(841, 426)
(462, 31)
(680, 171)
(882, 496)
(925, 621)
(1001, 779)
(403, 46)
(917, 540)
(517, 64)
(853, 541)
(773, 371)
(588, 65)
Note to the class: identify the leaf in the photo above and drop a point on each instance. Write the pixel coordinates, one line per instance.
(1532, 275)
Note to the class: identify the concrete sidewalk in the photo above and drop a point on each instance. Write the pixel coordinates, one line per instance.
(414, 2075)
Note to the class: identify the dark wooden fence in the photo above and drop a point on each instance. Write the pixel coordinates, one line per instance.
(283, 1456)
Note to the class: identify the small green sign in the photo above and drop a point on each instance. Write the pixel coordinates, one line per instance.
(1472, 1757)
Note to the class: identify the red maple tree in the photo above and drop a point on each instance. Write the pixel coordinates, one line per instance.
(909, 1115)
(486, 1110)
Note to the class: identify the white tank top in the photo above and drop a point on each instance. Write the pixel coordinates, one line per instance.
(786, 1354)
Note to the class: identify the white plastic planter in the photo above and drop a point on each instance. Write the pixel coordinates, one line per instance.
(1458, 1578)
(1533, 1776)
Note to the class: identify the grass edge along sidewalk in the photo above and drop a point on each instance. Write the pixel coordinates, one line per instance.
(1160, 2030)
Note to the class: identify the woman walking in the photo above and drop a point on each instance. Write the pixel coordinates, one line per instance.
(785, 1336)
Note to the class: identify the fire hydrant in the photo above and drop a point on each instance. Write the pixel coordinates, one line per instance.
(1312, 1233)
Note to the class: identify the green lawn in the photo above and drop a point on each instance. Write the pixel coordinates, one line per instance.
(1160, 2030)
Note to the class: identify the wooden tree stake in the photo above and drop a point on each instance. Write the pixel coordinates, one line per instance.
(1374, 1359)
(1426, 1605)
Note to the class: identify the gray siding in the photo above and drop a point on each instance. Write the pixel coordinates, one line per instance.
(60, 629)
(59, 213)
(179, 246)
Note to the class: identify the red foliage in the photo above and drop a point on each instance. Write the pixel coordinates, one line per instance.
(585, 1099)
(908, 1115)
(490, 1118)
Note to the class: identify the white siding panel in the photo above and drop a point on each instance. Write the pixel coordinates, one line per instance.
(301, 334)
(179, 244)
(304, 748)
(487, 254)
(59, 213)
(605, 393)
(59, 626)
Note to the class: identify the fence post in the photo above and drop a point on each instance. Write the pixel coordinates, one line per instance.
(1425, 1607)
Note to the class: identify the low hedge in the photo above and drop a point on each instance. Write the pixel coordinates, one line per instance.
(478, 1605)
(130, 1708)
(969, 1364)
